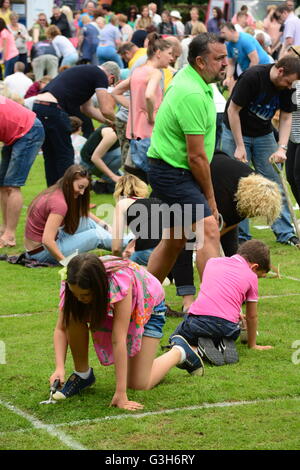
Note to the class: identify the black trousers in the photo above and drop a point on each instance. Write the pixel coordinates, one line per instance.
(57, 148)
(292, 168)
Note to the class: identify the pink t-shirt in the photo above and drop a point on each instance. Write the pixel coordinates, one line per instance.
(53, 203)
(11, 48)
(227, 283)
(138, 109)
(15, 120)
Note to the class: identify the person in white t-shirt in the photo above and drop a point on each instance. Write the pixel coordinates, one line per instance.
(176, 19)
(220, 104)
(63, 46)
(241, 22)
(78, 140)
(156, 19)
(18, 82)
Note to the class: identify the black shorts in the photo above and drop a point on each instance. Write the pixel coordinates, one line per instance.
(180, 192)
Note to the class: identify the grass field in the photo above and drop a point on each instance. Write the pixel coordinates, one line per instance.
(250, 405)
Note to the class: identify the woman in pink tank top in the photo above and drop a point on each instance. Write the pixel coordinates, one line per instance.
(146, 89)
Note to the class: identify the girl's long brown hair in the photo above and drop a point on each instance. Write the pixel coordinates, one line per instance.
(88, 272)
(78, 207)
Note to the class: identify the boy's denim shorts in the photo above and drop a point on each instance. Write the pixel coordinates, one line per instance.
(176, 187)
(154, 327)
(215, 328)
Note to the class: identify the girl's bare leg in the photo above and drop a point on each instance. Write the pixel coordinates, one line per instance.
(78, 339)
(145, 371)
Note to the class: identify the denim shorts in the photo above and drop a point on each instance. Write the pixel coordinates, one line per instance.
(141, 257)
(178, 188)
(17, 158)
(215, 328)
(154, 327)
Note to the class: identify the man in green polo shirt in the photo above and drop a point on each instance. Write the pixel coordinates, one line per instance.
(182, 146)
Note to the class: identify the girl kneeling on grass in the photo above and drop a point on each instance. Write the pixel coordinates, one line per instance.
(123, 306)
(59, 221)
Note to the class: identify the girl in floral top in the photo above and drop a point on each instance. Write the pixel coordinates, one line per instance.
(124, 306)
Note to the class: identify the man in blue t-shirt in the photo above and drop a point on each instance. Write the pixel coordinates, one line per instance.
(243, 50)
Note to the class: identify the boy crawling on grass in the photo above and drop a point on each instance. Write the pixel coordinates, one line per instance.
(212, 322)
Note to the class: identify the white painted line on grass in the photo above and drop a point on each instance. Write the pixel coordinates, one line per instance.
(174, 410)
(16, 315)
(49, 428)
(291, 277)
(54, 427)
(276, 296)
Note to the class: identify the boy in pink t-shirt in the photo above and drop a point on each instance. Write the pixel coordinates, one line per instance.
(212, 323)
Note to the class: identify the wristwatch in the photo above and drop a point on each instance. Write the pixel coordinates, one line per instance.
(284, 147)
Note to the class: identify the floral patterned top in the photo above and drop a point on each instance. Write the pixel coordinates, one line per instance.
(147, 292)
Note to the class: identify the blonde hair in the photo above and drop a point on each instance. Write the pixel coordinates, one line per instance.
(260, 25)
(4, 91)
(86, 19)
(257, 196)
(249, 30)
(68, 12)
(52, 31)
(198, 28)
(130, 186)
(122, 17)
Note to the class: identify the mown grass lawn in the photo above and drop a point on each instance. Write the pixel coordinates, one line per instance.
(267, 380)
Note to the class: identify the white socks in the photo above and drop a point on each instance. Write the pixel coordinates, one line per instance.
(182, 352)
(83, 375)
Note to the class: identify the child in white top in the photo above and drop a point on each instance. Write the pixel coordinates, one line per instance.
(78, 140)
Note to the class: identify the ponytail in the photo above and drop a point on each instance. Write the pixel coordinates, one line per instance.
(156, 43)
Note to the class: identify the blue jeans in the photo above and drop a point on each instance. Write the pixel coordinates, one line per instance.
(112, 159)
(88, 236)
(106, 53)
(216, 328)
(9, 66)
(138, 152)
(70, 59)
(154, 327)
(259, 149)
(17, 159)
(141, 257)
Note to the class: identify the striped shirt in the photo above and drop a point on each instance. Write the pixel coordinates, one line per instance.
(295, 132)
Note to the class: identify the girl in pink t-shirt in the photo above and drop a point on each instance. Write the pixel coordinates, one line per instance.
(123, 306)
(10, 53)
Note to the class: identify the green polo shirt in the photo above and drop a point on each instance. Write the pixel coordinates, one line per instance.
(187, 108)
